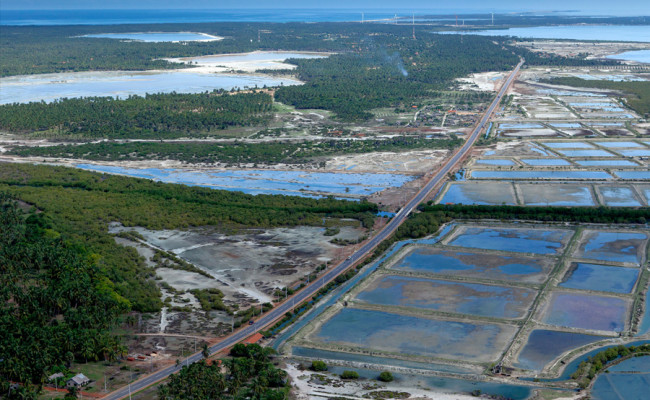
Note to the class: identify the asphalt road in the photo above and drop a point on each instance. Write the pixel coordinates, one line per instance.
(310, 290)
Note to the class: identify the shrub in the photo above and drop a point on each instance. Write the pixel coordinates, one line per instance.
(386, 376)
(350, 375)
(318, 365)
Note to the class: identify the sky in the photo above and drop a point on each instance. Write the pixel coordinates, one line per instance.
(619, 7)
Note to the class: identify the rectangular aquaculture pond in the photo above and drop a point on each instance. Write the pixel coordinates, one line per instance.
(403, 334)
(598, 175)
(495, 161)
(544, 346)
(568, 145)
(479, 193)
(556, 195)
(606, 163)
(612, 246)
(445, 296)
(586, 311)
(602, 278)
(542, 162)
(540, 241)
(475, 264)
(618, 196)
(586, 153)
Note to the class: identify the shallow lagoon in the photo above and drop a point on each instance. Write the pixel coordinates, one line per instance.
(157, 36)
(624, 33)
(469, 193)
(266, 182)
(544, 346)
(627, 380)
(541, 175)
(637, 55)
(616, 196)
(612, 246)
(586, 311)
(121, 84)
(453, 297)
(469, 264)
(540, 241)
(600, 278)
(417, 336)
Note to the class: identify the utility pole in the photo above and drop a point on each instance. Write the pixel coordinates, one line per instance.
(362, 18)
(492, 19)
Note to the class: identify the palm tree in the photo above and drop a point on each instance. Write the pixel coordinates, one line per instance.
(205, 352)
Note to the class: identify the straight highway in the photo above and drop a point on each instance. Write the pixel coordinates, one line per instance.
(310, 290)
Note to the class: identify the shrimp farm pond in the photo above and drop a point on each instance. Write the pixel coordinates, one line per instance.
(523, 297)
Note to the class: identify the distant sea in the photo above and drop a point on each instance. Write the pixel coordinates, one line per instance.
(114, 17)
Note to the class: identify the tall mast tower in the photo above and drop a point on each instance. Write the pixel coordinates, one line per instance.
(413, 23)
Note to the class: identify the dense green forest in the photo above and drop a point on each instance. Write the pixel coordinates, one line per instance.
(387, 70)
(152, 116)
(250, 374)
(637, 94)
(235, 152)
(44, 49)
(55, 304)
(81, 204)
(427, 221)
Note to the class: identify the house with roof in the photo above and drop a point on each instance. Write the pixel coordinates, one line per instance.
(78, 380)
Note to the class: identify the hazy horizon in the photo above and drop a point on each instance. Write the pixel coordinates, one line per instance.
(583, 7)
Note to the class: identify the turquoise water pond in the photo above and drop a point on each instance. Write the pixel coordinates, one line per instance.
(539, 241)
(468, 264)
(629, 380)
(613, 246)
(601, 278)
(454, 297)
(586, 311)
(544, 346)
